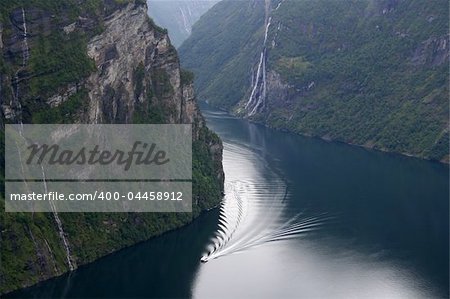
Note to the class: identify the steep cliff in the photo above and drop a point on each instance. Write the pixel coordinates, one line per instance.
(92, 62)
(372, 72)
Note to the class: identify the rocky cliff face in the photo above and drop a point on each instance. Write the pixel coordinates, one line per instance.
(131, 56)
(93, 62)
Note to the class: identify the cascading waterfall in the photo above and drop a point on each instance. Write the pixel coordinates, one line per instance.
(185, 21)
(257, 97)
(62, 234)
(258, 94)
(26, 49)
(16, 100)
(58, 222)
(253, 210)
(50, 251)
(25, 57)
(18, 110)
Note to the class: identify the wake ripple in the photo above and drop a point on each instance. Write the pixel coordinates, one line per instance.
(253, 210)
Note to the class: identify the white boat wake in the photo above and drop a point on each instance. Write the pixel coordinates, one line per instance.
(254, 208)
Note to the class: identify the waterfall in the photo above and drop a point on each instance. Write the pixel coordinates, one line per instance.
(52, 205)
(22, 169)
(25, 48)
(62, 234)
(185, 21)
(15, 83)
(252, 76)
(279, 4)
(257, 97)
(25, 58)
(259, 85)
(18, 110)
(55, 268)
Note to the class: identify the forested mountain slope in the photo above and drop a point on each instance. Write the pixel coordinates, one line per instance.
(366, 72)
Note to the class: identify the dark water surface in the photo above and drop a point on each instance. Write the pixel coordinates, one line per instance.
(303, 218)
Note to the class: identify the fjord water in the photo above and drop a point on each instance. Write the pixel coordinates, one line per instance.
(304, 218)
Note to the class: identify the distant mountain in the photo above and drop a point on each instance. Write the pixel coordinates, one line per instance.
(366, 72)
(178, 16)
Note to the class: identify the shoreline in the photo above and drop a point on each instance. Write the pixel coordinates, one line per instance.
(327, 139)
(201, 214)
